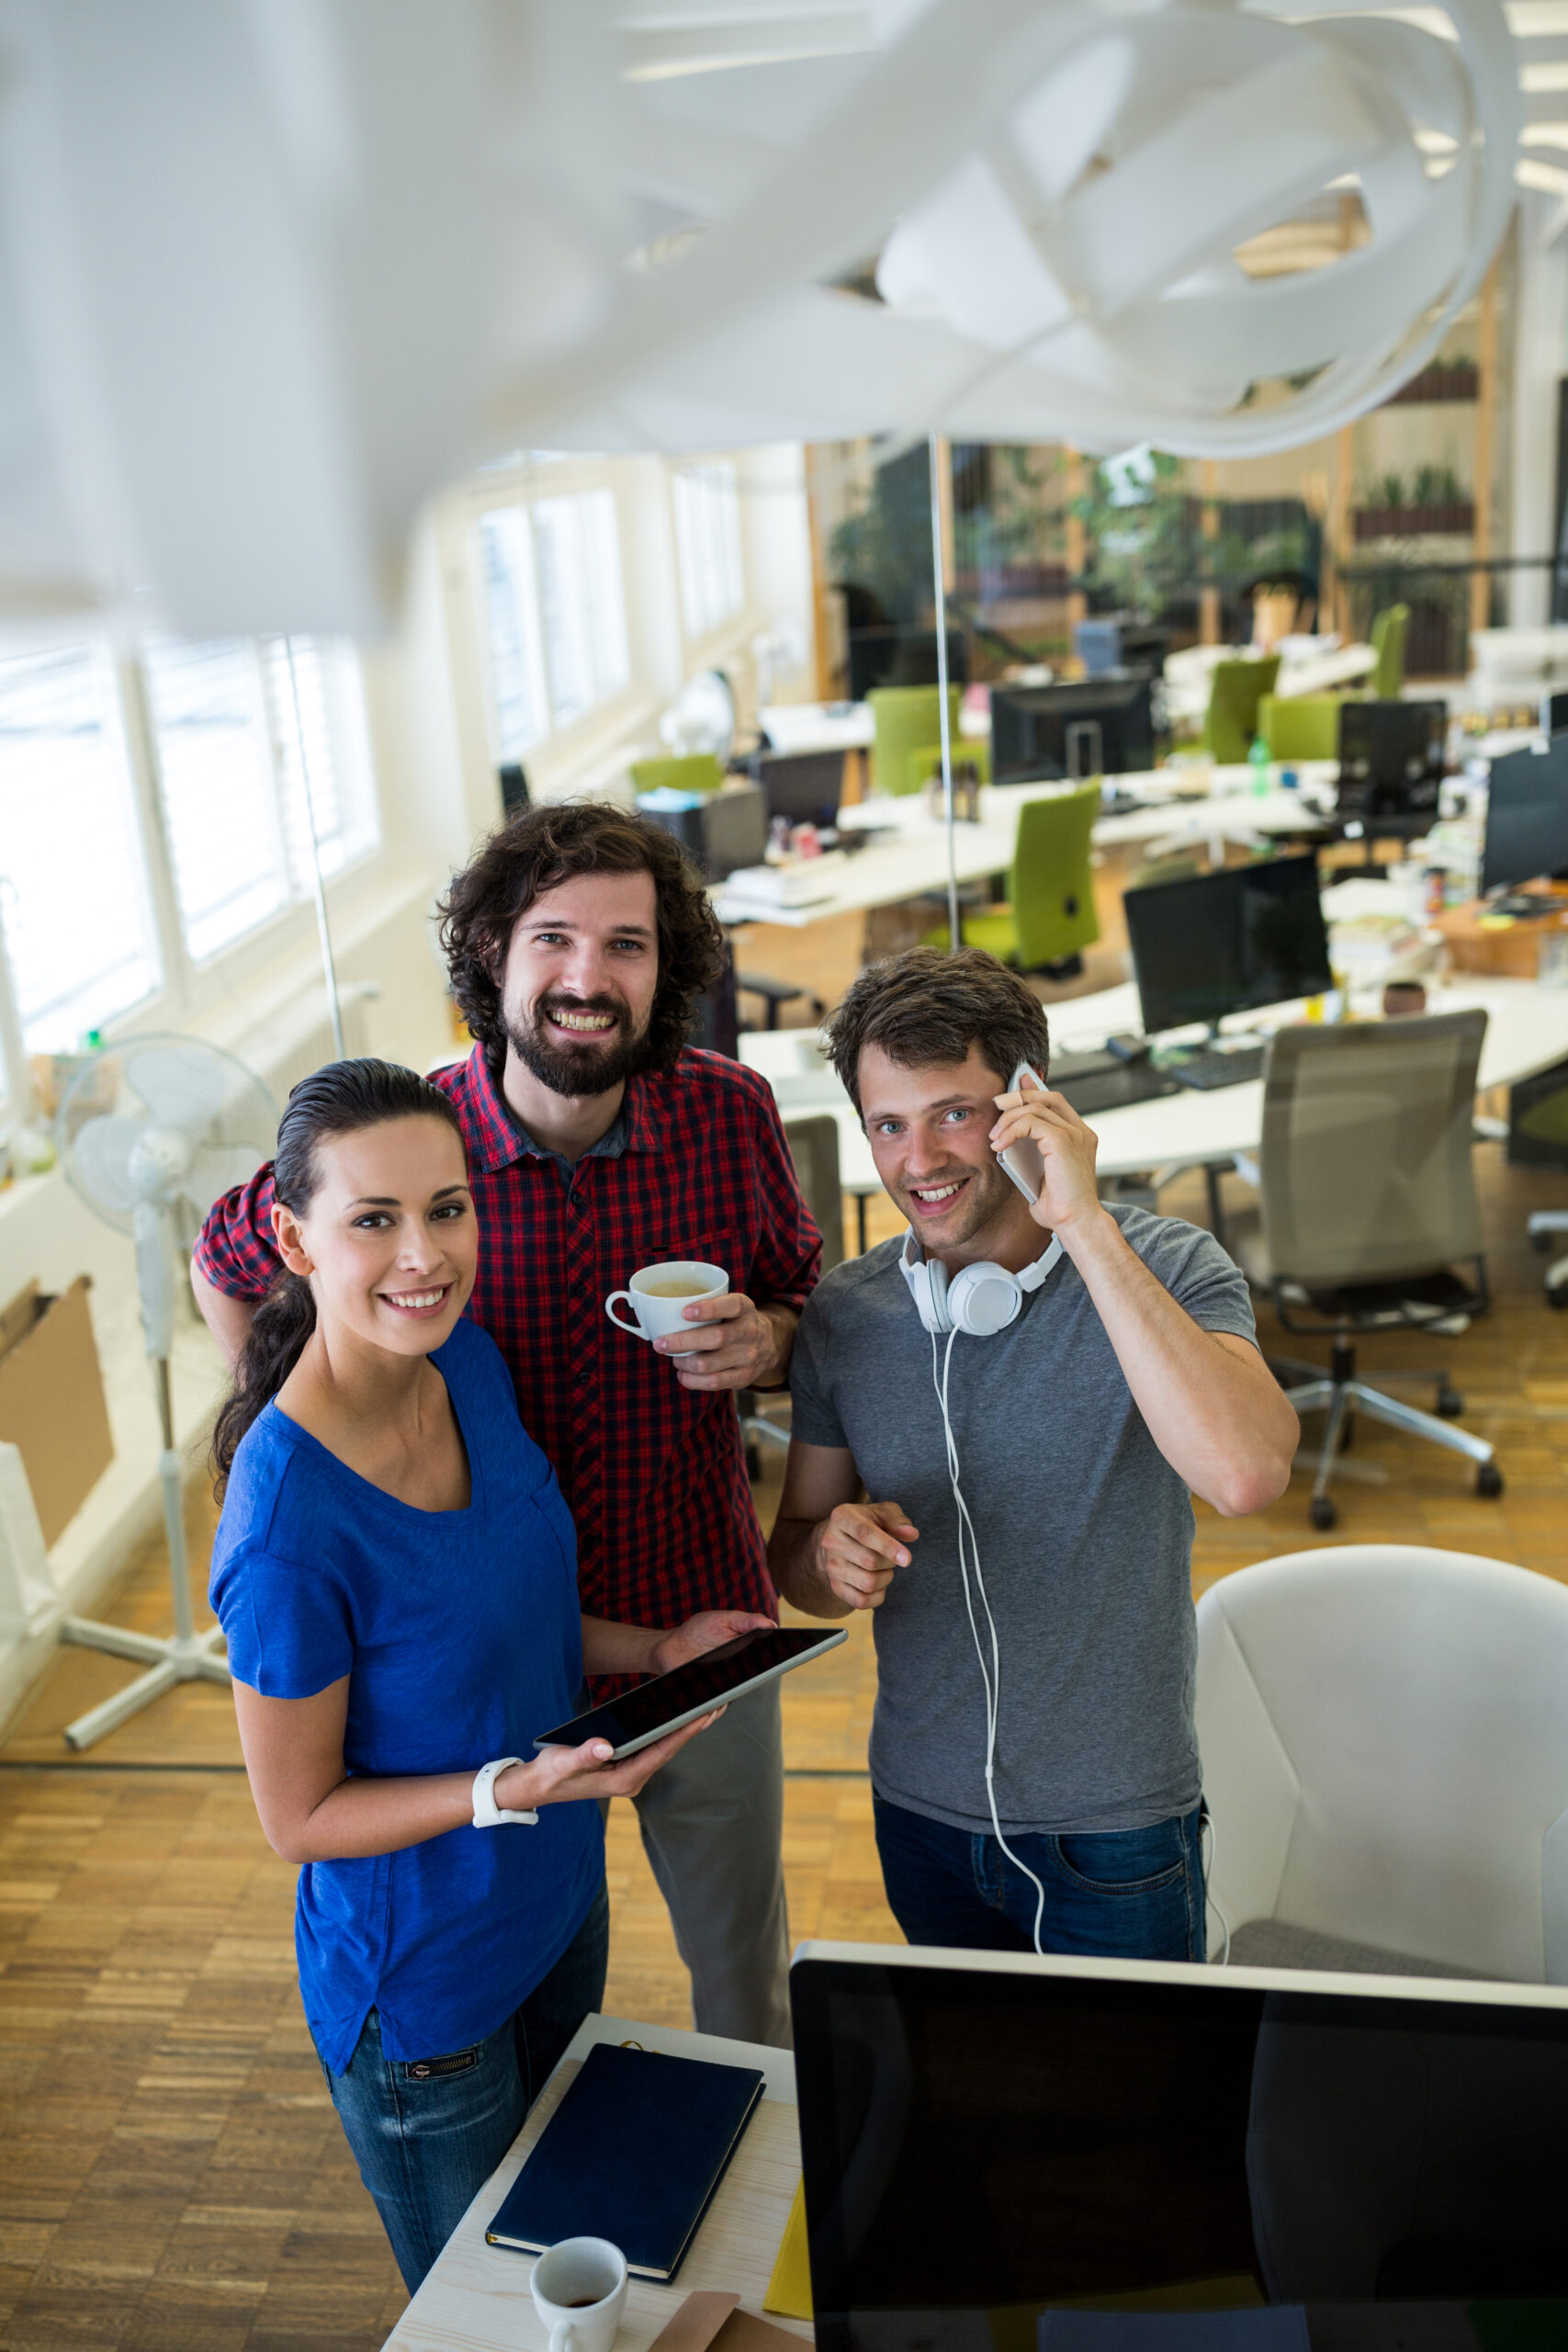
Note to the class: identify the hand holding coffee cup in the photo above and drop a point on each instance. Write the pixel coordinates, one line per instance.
(660, 1295)
(579, 2291)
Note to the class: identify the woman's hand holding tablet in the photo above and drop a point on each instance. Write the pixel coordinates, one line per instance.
(643, 1722)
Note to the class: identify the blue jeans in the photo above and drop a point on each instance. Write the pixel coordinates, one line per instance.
(427, 2133)
(1121, 1894)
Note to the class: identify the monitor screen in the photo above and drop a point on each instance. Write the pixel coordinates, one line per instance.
(1392, 758)
(1527, 816)
(1228, 942)
(805, 786)
(1101, 727)
(1001, 2154)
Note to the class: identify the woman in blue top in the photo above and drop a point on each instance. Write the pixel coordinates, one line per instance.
(395, 1572)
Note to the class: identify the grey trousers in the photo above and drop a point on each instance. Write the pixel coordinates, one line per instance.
(712, 1822)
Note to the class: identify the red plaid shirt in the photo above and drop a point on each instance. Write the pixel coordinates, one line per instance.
(655, 1474)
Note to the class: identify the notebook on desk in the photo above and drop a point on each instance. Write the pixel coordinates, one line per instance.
(632, 2153)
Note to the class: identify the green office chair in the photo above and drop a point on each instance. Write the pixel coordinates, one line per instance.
(1300, 727)
(1390, 629)
(699, 772)
(1235, 692)
(906, 717)
(968, 750)
(1050, 917)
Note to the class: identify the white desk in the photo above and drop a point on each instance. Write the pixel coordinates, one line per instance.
(794, 727)
(909, 856)
(1526, 1030)
(476, 2297)
(1319, 673)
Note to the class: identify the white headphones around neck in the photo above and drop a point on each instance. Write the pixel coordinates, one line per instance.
(980, 1299)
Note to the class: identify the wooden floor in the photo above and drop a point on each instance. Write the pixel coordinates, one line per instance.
(172, 2176)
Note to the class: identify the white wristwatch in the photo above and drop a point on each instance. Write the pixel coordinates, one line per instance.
(488, 1814)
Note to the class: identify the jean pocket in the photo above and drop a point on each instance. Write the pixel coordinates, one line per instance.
(430, 2070)
(1125, 1861)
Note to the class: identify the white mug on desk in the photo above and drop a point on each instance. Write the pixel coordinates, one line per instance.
(660, 1295)
(579, 2291)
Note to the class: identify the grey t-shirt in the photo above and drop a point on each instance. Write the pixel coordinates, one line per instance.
(1085, 1537)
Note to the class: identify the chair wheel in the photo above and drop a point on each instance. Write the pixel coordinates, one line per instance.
(1488, 1480)
(753, 1463)
(1556, 1294)
(1540, 1243)
(1325, 1510)
(1450, 1403)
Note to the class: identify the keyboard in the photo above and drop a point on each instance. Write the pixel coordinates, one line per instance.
(1098, 1081)
(1209, 1067)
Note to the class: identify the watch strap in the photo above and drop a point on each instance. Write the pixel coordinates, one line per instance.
(488, 1814)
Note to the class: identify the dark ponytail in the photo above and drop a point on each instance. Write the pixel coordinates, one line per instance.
(338, 1099)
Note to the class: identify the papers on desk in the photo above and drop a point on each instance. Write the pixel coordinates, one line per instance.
(800, 884)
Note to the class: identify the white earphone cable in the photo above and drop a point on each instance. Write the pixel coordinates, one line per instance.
(1208, 1824)
(990, 1676)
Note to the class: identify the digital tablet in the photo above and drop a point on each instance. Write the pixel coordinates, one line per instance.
(670, 1701)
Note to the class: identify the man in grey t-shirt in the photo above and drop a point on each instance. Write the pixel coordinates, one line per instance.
(1033, 1757)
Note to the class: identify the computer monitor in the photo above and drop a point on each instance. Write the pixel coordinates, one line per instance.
(1527, 817)
(1000, 2153)
(805, 786)
(1228, 942)
(1392, 758)
(892, 656)
(1101, 727)
(722, 830)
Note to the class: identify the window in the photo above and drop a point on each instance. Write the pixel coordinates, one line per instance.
(74, 899)
(512, 633)
(555, 615)
(215, 781)
(317, 705)
(707, 546)
(250, 742)
(582, 611)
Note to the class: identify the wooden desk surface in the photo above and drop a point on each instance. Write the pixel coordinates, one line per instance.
(476, 2299)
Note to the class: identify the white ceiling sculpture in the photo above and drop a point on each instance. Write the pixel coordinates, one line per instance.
(272, 270)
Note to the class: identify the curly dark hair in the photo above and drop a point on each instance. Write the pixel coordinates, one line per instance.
(538, 851)
(927, 1005)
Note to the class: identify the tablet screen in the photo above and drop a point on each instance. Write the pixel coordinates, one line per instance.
(640, 1715)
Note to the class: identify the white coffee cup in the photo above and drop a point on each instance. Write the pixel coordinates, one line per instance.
(658, 1296)
(579, 2291)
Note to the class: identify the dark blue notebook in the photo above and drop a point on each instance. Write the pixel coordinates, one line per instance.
(632, 2153)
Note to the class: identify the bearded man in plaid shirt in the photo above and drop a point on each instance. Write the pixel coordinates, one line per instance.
(578, 942)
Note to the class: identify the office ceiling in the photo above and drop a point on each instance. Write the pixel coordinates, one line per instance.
(269, 276)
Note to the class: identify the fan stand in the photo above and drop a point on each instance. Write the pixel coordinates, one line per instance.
(188, 1657)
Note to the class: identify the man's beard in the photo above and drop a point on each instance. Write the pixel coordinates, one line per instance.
(578, 1069)
(987, 1193)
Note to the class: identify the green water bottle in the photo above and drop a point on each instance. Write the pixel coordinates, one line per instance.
(1260, 764)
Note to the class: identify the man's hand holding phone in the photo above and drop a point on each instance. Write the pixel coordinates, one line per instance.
(858, 1546)
(1032, 1114)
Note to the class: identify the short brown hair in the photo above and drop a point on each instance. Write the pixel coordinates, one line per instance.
(929, 1006)
(539, 850)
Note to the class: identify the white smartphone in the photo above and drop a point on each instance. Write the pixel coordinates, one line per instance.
(1022, 1160)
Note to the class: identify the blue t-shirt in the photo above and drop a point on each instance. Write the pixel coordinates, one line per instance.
(459, 1632)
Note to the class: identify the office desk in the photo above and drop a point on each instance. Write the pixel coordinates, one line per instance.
(476, 2297)
(796, 726)
(909, 856)
(1526, 1030)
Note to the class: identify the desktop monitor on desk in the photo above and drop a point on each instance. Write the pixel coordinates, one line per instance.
(1392, 758)
(1101, 727)
(1229, 942)
(805, 786)
(1001, 2152)
(1527, 817)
